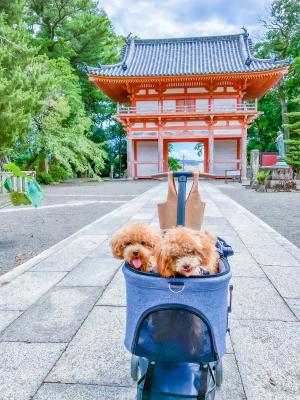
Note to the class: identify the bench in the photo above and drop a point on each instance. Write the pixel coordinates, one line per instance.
(233, 174)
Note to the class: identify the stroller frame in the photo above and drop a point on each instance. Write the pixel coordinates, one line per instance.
(161, 373)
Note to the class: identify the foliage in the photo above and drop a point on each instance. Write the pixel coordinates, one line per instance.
(54, 110)
(199, 149)
(58, 173)
(14, 169)
(262, 133)
(282, 40)
(262, 176)
(22, 84)
(112, 135)
(44, 178)
(174, 164)
(293, 154)
(58, 132)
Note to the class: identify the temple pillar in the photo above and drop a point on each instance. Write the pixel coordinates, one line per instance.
(160, 146)
(210, 150)
(243, 153)
(130, 157)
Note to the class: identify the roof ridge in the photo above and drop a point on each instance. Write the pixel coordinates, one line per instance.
(188, 39)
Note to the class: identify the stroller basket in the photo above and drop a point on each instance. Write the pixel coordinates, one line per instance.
(177, 319)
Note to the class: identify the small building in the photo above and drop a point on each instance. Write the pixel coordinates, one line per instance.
(202, 89)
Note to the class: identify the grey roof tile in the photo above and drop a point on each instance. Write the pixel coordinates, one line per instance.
(187, 56)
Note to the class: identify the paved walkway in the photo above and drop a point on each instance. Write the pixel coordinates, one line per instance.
(26, 231)
(62, 313)
(270, 207)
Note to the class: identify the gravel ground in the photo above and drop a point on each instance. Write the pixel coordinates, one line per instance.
(67, 208)
(280, 210)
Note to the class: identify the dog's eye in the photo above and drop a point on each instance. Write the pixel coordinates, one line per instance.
(128, 244)
(143, 243)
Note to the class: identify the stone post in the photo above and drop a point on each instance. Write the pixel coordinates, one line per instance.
(254, 165)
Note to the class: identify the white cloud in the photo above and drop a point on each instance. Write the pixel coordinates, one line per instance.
(179, 18)
(189, 154)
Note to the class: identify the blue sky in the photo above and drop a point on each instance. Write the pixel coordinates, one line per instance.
(186, 149)
(182, 18)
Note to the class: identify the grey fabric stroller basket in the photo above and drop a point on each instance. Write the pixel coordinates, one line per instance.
(176, 327)
(205, 296)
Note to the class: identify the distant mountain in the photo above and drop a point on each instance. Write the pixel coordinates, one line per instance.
(191, 162)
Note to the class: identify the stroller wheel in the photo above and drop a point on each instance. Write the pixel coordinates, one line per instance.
(219, 373)
(134, 370)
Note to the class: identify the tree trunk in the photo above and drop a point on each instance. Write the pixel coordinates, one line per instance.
(44, 167)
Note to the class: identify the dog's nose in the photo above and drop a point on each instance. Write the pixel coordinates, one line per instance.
(135, 253)
(186, 266)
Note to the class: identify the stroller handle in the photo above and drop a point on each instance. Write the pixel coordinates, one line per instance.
(182, 180)
(177, 174)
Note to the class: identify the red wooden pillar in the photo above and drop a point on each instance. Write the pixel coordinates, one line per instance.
(243, 152)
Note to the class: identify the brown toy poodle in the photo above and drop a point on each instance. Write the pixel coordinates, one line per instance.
(135, 243)
(186, 252)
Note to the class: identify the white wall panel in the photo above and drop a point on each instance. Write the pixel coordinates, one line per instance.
(147, 152)
(224, 150)
(201, 104)
(224, 104)
(169, 105)
(196, 90)
(147, 106)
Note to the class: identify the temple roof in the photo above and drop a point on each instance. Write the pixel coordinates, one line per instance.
(187, 56)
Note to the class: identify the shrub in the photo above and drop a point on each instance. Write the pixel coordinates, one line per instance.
(261, 176)
(44, 178)
(174, 164)
(58, 173)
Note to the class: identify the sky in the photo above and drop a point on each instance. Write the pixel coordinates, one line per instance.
(184, 18)
(186, 149)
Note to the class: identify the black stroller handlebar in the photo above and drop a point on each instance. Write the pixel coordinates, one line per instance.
(177, 174)
(182, 179)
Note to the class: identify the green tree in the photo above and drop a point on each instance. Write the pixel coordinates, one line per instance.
(174, 164)
(22, 84)
(282, 40)
(80, 31)
(262, 133)
(12, 10)
(293, 154)
(199, 149)
(58, 132)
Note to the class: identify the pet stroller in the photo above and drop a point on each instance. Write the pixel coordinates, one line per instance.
(176, 327)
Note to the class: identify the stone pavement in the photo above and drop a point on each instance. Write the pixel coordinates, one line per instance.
(62, 313)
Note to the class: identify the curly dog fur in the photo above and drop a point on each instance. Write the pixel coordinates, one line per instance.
(186, 252)
(135, 243)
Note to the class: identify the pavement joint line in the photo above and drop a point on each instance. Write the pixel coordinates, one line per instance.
(7, 277)
(83, 321)
(78, 204)
(238, 368)
(45, 376)
(93, 195)
(258, 220)
(263, 320)
(44, 294)
(276, 235)
(88, 384)
(110, 305)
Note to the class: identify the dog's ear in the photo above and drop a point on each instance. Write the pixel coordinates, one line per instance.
(154, 239)
(211, 237)
(163, 262)
(208, 248)
(117, 245)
